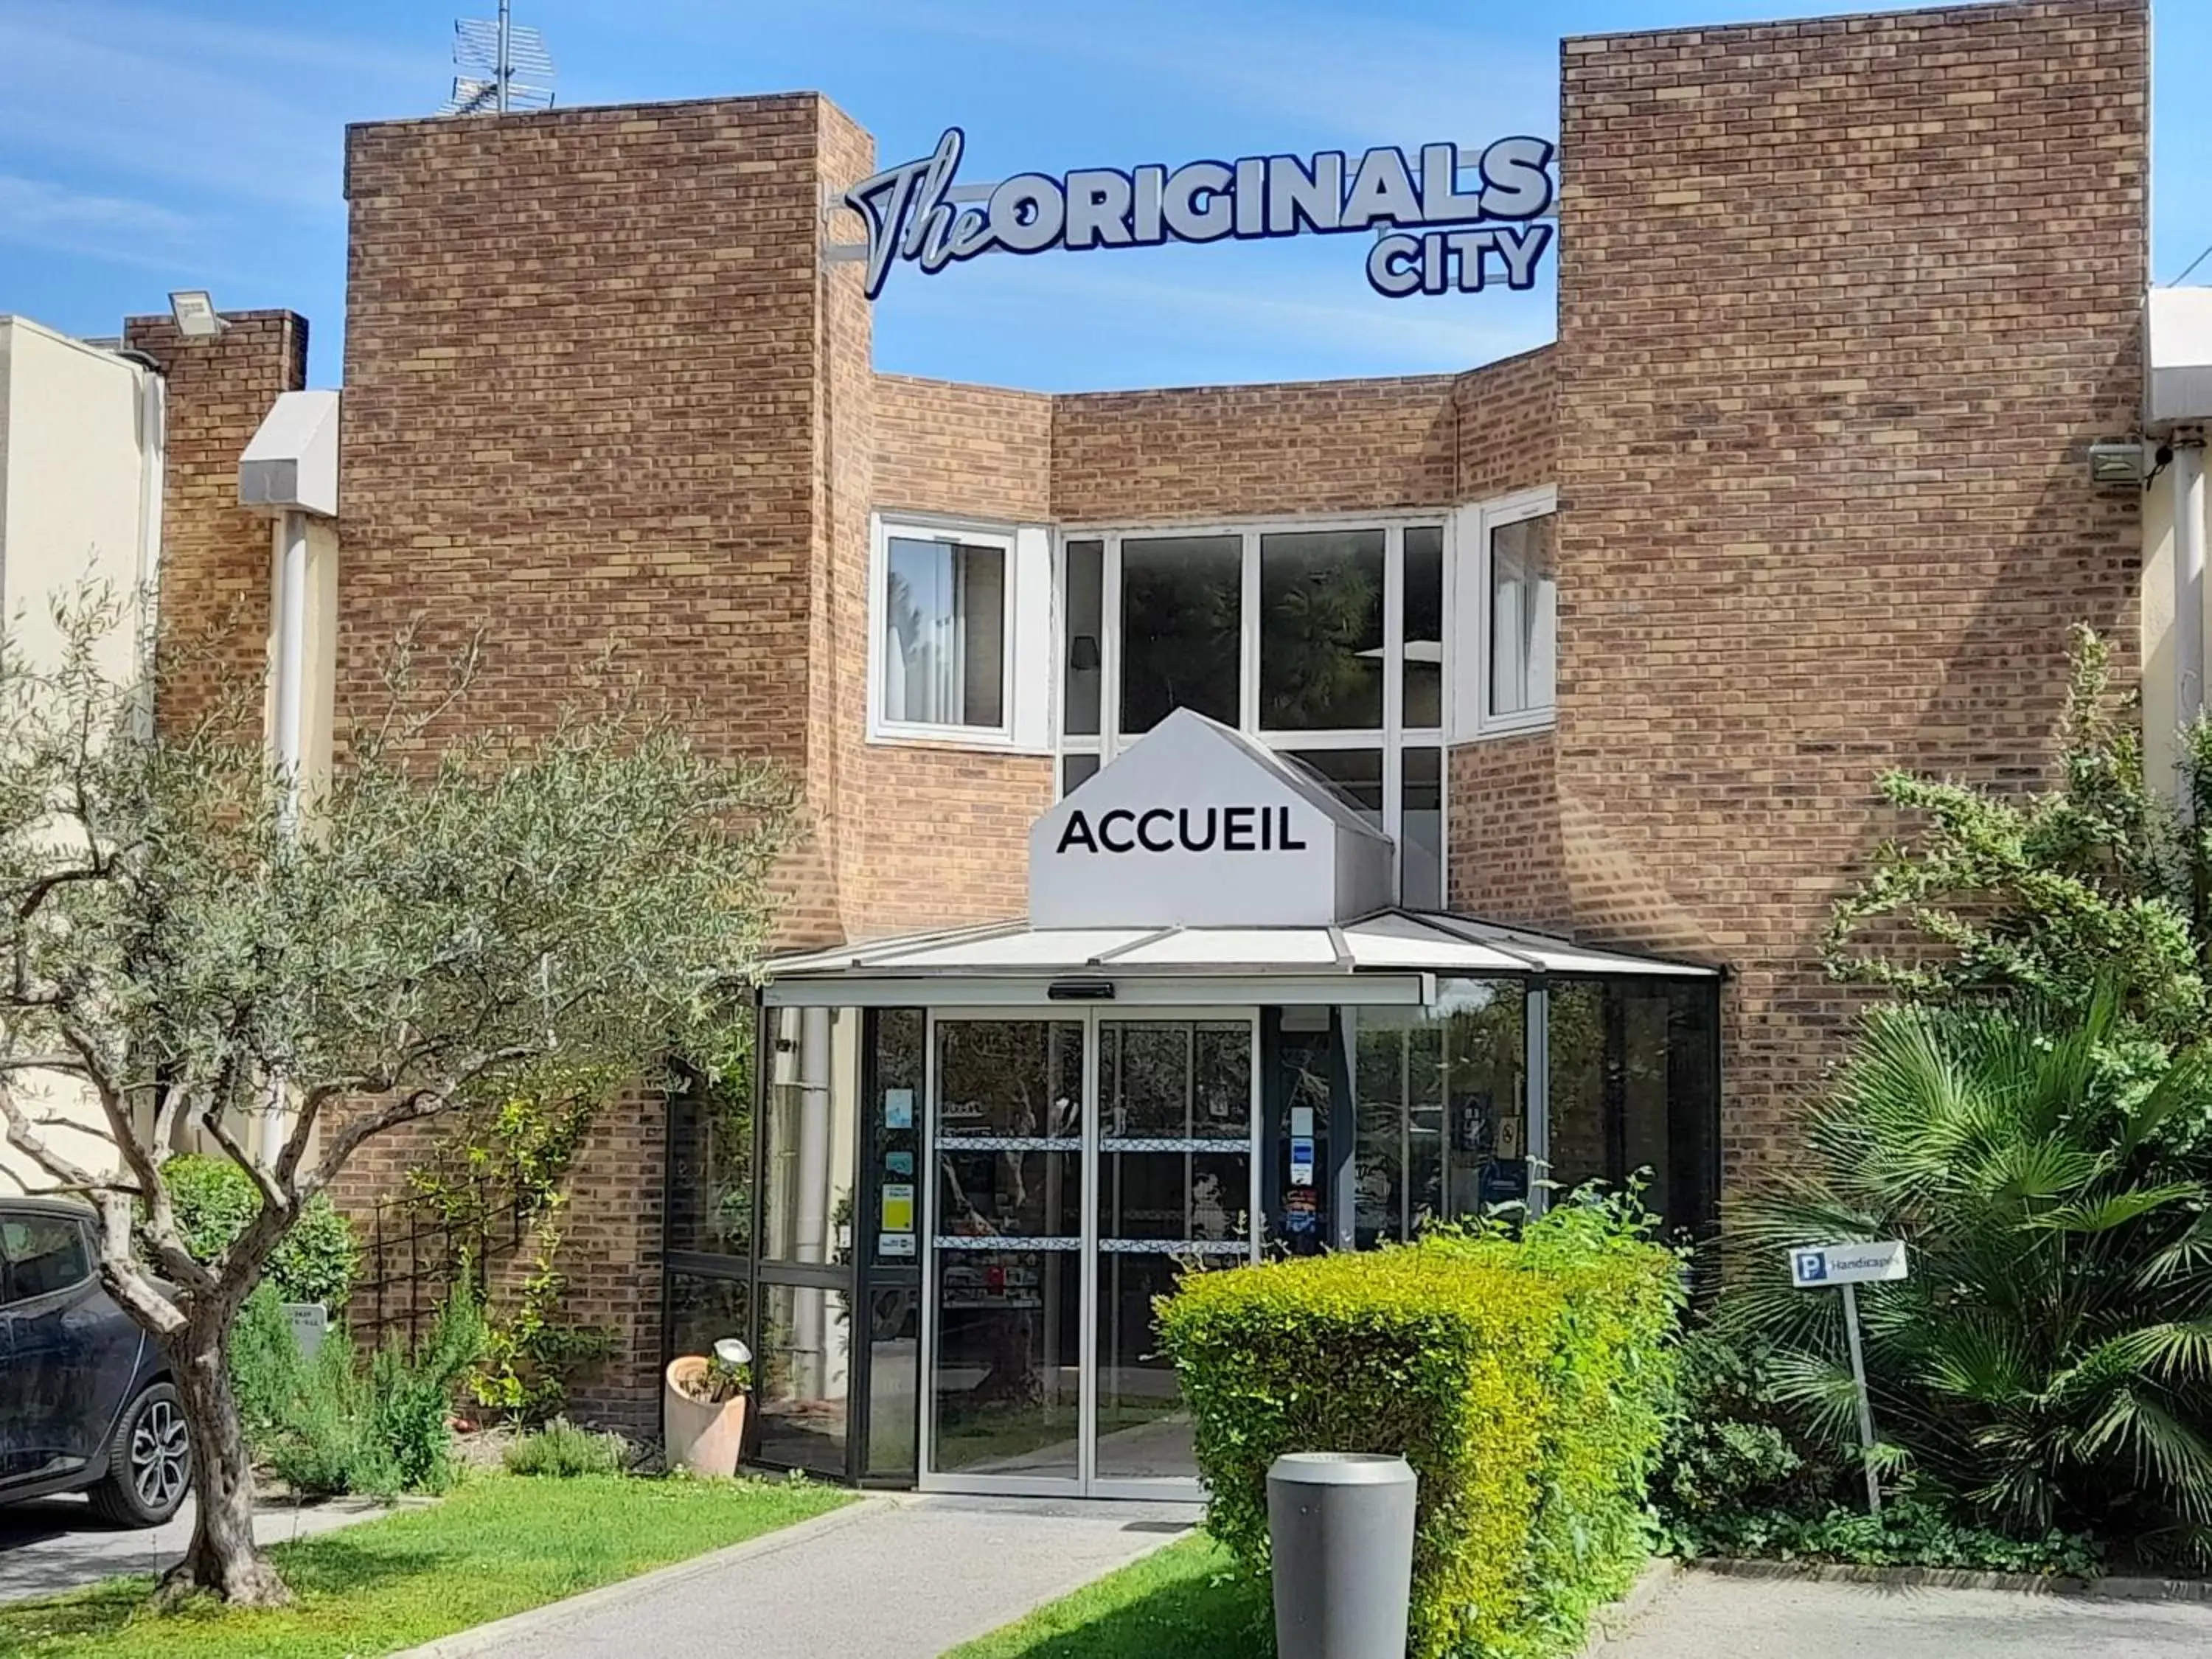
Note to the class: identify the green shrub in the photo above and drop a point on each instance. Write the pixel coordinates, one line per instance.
(215, 1200)
(267, 1370)
(331, 1424)
(564, 1451)
(1735, 1446)
(1524, 1380)
(2049, 1362)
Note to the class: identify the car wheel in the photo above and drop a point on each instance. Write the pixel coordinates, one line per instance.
(150, 1462)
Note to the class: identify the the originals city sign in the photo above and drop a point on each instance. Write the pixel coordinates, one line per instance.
(1435, 227)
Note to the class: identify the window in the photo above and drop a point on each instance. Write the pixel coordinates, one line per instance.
(1324, 641)
(1523, 595)
(40, 1254)
(1505, 614)
(959, 647)
(1440, 1106)
(945, 633)
(1634, 1091)
(1181, 628)
(1320, 630)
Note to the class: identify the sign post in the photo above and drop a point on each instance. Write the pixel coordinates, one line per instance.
(1815, 1267)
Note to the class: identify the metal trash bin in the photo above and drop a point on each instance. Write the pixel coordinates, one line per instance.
(1340, 1533)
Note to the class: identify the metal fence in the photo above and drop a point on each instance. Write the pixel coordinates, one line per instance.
(419, 1244)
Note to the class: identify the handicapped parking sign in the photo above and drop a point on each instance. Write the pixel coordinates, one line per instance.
(1813, 1267)
(1845, 1267)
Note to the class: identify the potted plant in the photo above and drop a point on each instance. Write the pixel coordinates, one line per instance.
(702, 1408)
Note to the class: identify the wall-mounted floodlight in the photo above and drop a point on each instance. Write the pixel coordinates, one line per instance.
(197, 317)
(2116, 463)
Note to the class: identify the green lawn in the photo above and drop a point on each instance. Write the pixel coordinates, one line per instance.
(1175, 1604)
(500, 1544)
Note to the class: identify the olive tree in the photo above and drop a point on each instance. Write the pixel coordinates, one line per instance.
(189, 950)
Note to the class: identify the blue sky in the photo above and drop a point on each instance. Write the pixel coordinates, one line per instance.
(148, 146)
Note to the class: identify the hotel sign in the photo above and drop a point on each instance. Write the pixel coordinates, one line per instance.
(1452, 219)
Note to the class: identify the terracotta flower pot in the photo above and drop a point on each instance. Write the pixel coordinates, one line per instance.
(703, 1437)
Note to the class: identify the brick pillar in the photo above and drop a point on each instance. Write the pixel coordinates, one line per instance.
(214, 553)
(1842, 302)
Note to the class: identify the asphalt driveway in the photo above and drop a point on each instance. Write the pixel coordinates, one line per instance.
(54, 1544)
(1704, 1615)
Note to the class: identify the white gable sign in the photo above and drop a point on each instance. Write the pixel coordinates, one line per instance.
(1196, 826)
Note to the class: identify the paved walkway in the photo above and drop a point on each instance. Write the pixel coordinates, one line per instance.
(54, 1544)
(1704, 1615)
(904, 1578)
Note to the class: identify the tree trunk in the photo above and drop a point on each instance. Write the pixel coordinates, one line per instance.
(222, 1559)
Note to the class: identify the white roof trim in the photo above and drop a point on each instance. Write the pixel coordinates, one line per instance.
(2177, 345)
(1389, 942)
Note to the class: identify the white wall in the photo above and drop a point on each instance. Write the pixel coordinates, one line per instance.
(75, 480)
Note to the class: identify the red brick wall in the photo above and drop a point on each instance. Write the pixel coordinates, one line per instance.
(942, 834)
(1234, 452)
(1506, 419)
(979, 451)
(1504, 850)
(578, 415)
(215, 555)
(1841, 303)
(577, 418)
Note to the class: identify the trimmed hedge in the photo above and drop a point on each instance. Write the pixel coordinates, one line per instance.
(215, 1200)
(1524, 1379)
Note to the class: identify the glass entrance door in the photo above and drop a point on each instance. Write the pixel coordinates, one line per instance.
(1076, 1167)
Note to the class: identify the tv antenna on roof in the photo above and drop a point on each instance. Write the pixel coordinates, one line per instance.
(502, 66)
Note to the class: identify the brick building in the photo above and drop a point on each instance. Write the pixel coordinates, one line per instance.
(1602, 646)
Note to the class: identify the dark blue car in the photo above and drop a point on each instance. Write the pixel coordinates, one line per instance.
(85, 1401)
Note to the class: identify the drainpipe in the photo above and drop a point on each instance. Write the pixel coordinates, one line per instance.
(2188, 599)
(291, 605)
(153, 478)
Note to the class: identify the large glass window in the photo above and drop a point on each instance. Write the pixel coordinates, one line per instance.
(1355, 774)
(1440, 1099)
(710, 1168)
(891, 1290)
(1324, 643)
(1421, 828)
(1183, 601)
(1634, 1091)
(1523, 616)
(1320, 630)
(807, 1191)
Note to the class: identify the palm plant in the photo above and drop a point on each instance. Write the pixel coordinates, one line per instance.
(2050, 1360)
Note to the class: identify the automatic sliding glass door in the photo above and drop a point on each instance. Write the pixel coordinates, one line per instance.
(1076, 1167)
(1174, 1123)
(1005, 1277)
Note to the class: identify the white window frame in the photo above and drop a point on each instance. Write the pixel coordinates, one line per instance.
(1027, 627)
(1392, 738)
(1475, 720)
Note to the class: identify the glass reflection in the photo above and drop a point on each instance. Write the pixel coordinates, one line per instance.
(1006, 1375)
(1423, 684)
(1181, 620)
(1440, 1104)
(801, 1367)
(1320, 630)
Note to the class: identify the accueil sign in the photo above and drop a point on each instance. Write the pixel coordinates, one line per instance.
(1196, 826)
(1452, 219)
(1182, 829)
